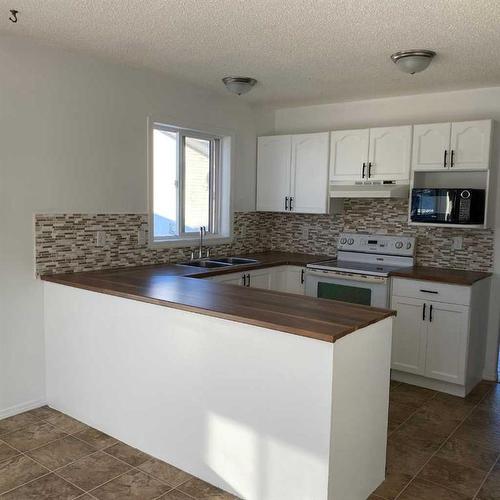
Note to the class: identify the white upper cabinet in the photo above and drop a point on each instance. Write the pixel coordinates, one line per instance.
(390, 153)
(292, 173)
(309, 174)
(273, 172)
(470, 145)
(374, 154)
(349, 155)
(430, 146)
(457, 145)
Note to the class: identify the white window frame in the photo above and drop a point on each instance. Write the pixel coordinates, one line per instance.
(221, 213)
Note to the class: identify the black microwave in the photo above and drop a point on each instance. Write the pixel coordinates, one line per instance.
(448, 206)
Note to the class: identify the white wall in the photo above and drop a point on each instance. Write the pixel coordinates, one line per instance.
(73, 139)
(423, 108)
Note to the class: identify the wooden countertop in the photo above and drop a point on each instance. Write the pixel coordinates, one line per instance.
(175, 286)
(450, 276)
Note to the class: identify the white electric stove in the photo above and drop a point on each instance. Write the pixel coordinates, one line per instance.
(360, 274)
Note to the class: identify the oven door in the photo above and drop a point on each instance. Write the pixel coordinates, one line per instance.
(347, 287)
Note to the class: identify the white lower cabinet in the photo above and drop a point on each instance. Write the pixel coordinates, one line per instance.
(439, 341)
(409, 338)
(260, 278)
(288, 279)
(447, 334)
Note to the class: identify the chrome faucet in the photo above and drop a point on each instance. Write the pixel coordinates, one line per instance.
(203, 232)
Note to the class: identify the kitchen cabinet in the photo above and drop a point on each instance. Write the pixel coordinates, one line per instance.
(409, 339)
(457, 146)
(273, 173)
(447, 332)
(389, 156)
(258, 278)
(439, 334)
(292, 173)
(289, 279)
(349, 155)
(375, 154)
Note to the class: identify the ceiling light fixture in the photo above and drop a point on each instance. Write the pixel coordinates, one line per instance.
(239, 84)
(413, 61)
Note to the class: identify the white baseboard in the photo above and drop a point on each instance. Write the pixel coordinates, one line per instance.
(490, 375)
(14, 410)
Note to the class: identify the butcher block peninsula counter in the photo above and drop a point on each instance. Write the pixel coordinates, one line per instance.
(265, 394)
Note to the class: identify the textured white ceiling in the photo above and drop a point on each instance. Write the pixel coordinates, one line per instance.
(301, 51)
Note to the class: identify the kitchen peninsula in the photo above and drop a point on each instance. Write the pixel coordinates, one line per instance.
(265, 394)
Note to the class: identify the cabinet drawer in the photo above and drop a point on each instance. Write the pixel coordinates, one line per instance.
(430, 290)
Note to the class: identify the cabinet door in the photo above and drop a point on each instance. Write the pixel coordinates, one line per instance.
(470, 144)
(309, 174)
(430, 144)
(447, 342)
(230, 279)
(348, 152)
(390, 153)
(288, 279)
(409, 335)
(261, 278)
(273, 172)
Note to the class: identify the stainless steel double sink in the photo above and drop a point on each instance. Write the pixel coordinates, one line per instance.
(219, 262)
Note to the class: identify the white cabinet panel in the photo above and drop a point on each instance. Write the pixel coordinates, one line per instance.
(309, 174)
(390, 153)
(430, 145)
(409, 335)
(289, 279)
(260, 278)
(273, 172)
(348, 153)
(470, 145)
(232, 278)
(447, 342)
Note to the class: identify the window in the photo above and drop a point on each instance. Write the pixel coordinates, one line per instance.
(188, 185)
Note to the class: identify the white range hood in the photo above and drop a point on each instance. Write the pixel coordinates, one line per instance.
(369, 191)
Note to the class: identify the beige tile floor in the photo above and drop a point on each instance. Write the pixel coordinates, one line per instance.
(439, 448)
(442, 447)
(45, 454)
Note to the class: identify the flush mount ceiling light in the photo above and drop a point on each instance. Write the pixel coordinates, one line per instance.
(413, 61)
(239, 84)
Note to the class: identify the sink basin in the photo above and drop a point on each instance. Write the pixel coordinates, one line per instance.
(205, 263)
(233, 261)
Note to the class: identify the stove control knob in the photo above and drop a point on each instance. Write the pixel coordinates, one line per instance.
(399, 244)
(350, 241)
(343, 241)
(408, 245)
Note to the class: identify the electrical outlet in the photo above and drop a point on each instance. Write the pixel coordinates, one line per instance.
(100, 239)
(457, 243)
(305, 233)
(243, 231)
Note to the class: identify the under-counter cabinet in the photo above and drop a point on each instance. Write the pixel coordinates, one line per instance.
(280, 278)
(439, 334)
(457, 146)
(258, 278)
(292, 173)
(375, 154)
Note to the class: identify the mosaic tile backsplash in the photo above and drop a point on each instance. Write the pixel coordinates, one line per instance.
(67, 242)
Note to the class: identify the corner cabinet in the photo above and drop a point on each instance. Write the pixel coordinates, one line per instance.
(375, 154)
(439, 334)
(288, 279)
(292, 173)
(452, 146)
